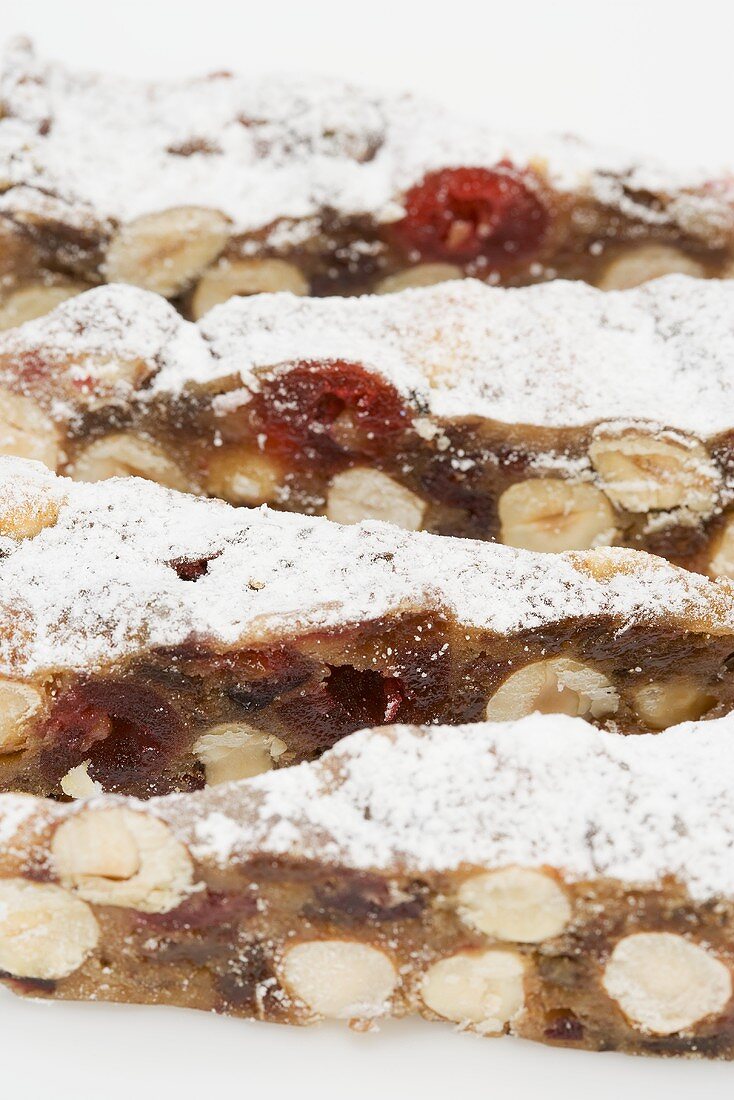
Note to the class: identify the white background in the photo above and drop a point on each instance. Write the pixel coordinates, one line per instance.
(656, 77)
(652, 75)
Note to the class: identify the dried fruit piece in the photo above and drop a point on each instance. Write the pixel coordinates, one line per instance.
(235, 750)
(641, 473)
(418, 275)
(665, 703)
(461, 214)
(665, 983)
(516, 904)
(45, 933)
(303, 411)
(480, 988)
(340, 979)
(127, 454)
(363, 493)
(550, 515)
(122, 857)
(559, 685)
(34, 300)
(649, 261)
(18, 703)
(242, 277)
(360, 697)
(243, 475)
(26, 431)
(166, 251)
(126, 728)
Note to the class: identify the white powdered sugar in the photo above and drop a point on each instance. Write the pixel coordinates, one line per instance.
(547, 789)
(104, 326)
(99, 349)
(15, 810)
(560, 354)
(98, 585)
(275, 151)
(107, 342)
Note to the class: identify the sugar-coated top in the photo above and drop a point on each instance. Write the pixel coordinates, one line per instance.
(98, 584)
(274, 150)
(547, 790)
(560, 354)
(99, 348)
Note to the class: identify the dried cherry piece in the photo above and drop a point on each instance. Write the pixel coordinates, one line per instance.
(347, 700)
(462, 214)
(564, 1027)
(209, 909)
(361, 897)
(31, 367)
(365, 695)
(126, 731)
(298, 410)
(191, 569)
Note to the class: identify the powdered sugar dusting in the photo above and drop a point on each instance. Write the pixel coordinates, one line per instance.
(107, 323)
(99, 584)
(104, 343)
(274, 151)
(31, 482)
(558, 354)
(561, 354)
(15, 810)
(544, 790)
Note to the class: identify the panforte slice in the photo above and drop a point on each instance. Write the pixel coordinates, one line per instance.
(539, 878)
(204, 188)
(549, 418)
(151, 641)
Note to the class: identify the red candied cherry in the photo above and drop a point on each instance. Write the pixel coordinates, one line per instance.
(365, 694)
(465, 214)
(348, 699)
(328, 409)
(127, 731)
